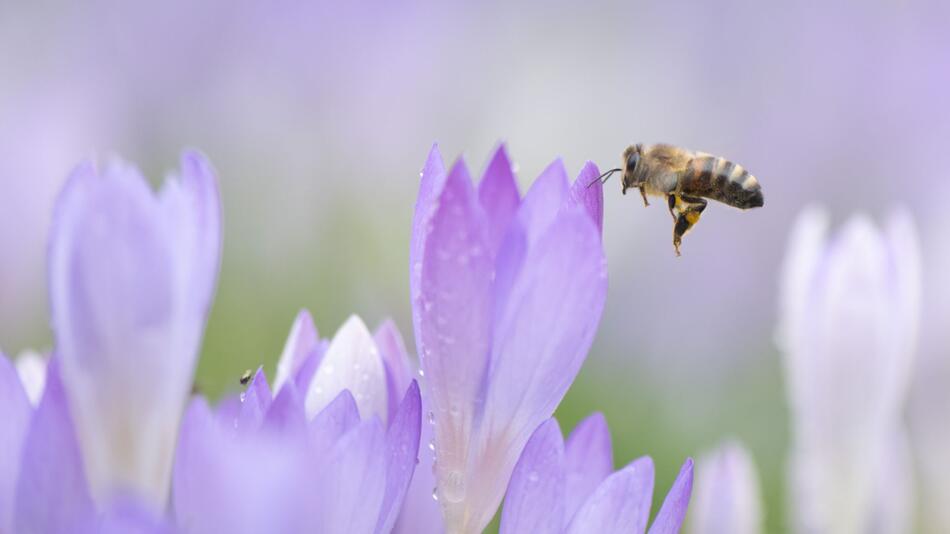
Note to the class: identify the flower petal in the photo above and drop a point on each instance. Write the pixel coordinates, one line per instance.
(351, 362)
(51, 493)
(588, 460)
(454, 307)
(255, 402)
(432, 180)
(15, 412)
(402, 442)
(286, 413)
(352, 482)
(499, 197)
(301, 341)
(670, 517)
(31, 367)
(544, 200)
(127, 517)
(398, 368)
(540, 342)
(588, 193)
(728, 499)
(334, 421)
(131, 279)
(535, 501)
(621, 504)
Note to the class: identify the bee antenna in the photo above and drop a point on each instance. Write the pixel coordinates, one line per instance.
(604, 177)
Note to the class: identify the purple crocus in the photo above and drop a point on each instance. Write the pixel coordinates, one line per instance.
(727, 498)
(849, 322)
(572, 488)
(506, 296)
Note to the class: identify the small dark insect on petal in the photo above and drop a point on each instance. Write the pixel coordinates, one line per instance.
(246, 377)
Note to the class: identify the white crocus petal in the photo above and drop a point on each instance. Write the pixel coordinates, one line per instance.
(352, 362)
(849, 326)
(31, 368)
(303, 338)
(727, 498)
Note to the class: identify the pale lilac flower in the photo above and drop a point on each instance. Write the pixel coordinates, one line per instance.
(727, 499)
(572, 488)
(506, 295)
(131, 277)
(848, 329)
(269, 468)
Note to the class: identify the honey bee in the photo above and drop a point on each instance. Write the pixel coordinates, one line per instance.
(685, 178)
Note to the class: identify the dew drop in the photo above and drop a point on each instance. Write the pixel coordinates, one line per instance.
(432, 446)
(533, 476)
(430, 417)
(435, 494)
(454, 489)
(422, 373)
(242, 397)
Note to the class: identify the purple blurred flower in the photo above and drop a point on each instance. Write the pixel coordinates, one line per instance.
(268, 467)
(848, 329)
(506, 295)
(728, 499)
(558, 488)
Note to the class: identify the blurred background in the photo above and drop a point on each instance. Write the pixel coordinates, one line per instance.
(318, 117)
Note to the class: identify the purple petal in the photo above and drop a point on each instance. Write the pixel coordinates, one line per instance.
(728, 499)
(543, 336)
(240, 483)
(670, 517)
(255, 402)
(620, 505)
(301, 341)
(402, 442)
(15, 412)
(499, 197)
(430, 187)
(131, 277)
(127, 517)
(398, 368)
(353, 481)
(536, 494)
(338, 418)
(309, 365)
(351, 362)
(588, 193)
(588, 460)
(228, 411)
(454, 308)
(544, 200)
(52, 493)
(420, 513)
(286, 413)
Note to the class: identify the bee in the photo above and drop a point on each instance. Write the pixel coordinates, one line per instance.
(686, 179)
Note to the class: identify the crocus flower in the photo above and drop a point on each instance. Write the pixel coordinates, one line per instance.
(506, 296)
(572, 488)
(727, 498)
(848, 329)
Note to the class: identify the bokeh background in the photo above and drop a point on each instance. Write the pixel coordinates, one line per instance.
(318, 116)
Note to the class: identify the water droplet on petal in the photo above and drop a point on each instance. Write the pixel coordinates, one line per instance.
(242, 397)
(454, 488)
(432, 446)
(435, 494)
(533, 476)
(421, 372)
(431, 416)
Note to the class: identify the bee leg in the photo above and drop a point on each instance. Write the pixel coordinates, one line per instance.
(643, 193)
(686, 211)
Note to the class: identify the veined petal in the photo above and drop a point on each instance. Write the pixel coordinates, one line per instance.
(728, 500)
(15, 412)
(352, 479)
(131, 279)
(621, 504)
(535, 500)
(351, 362)
(588, 460)
(301, 341)
(539, 344)
(51, 493)
(588, 193)
(402, 443)
(31, 367)
(499, 197)
(396, 359)
(454, 309)
(670, 517)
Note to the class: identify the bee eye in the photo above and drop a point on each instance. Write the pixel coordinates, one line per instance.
(632, 161)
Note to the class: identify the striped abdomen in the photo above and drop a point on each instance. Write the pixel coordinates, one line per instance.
(720, 179)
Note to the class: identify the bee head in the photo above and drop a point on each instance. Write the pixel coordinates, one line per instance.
(631, 158)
